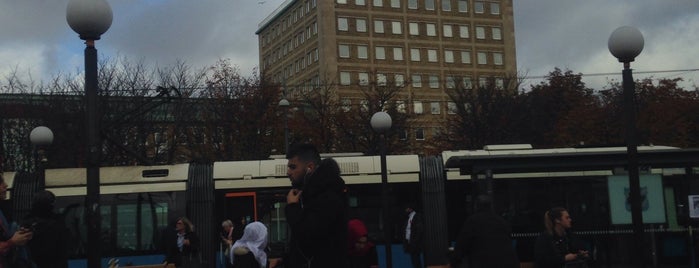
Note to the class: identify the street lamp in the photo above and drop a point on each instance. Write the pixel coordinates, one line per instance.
(41, 137)
(284, 104)
(381, 122)
(90, 19)
(625, 43)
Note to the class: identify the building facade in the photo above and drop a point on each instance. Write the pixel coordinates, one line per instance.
(425, 46)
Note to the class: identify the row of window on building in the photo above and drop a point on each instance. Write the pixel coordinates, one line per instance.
(293, 17)
(449, 56)
(461, 6)
(418, 80)
(359, 24)
(418, 106)
(287, 47)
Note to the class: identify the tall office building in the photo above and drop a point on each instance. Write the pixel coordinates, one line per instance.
(425, 44)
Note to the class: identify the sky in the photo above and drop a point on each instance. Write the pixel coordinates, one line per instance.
(36, 40)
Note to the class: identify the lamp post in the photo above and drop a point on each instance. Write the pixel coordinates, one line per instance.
(284, 104)
(625, 43)
(41, 137)
(90, 19)
(381, 123)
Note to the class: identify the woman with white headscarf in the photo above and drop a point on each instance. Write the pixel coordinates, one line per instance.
(249, 250)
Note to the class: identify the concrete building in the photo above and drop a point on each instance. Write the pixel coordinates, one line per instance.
(425, 45)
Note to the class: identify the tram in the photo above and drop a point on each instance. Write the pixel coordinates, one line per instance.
(139, 203)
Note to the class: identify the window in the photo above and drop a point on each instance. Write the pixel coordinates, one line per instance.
(419, 134)
(381, 79)
(402, 134)
(399, 79)
(479, 7)
(451, 82)
(417, 80)
(446, 30)
(466, 57)
(497, 58)
(397, 53)
(378, 26)
(395, 3)
(431, 29)
(463, 6)
(363, 79)
(467, 83)
(497, 33)
(449, 56)
(434, 81)
(346, 104)
(342, 1)
(480, 32)
(429, 4)
(500, 82)
(360, 2)
(414, 28)
(345, 78)
(451, 107)
(482, 82)
(400, 106)
(495, 8)
(417, 107)
(362, 52)
(396, 27)
(380, 53)
(446, 5)
(361, 25)
(412, 4)
(463, 31)
(378, 3)
(342, 24)
(364, 105)
(415, 54)
(344, 51)
(482, 58)
(434, 108)
(432, 55)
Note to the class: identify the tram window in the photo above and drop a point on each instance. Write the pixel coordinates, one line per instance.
(131, 220)
(277, 223)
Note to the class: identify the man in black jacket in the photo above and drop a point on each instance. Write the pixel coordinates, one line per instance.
(484, 240)
(316, 211)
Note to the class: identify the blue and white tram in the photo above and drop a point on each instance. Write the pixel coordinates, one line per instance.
(139, 202)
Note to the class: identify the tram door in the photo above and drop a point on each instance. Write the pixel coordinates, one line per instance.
(240, 207)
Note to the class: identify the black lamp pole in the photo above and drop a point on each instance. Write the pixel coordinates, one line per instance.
(90, 19)
(381, 123)
(625, 43)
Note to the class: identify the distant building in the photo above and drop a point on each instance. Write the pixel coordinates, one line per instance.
(425, 44)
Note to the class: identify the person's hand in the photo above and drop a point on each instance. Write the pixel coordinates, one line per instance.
(570, 257)
(21, 237)
(186, 242)
(293, 196)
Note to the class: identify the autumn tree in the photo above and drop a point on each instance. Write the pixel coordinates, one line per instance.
(481, 114)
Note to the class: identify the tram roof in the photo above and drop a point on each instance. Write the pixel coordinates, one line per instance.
(568, 159)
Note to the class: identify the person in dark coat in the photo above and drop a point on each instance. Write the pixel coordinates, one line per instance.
(556, 246)
(484, 240)
(316, 211)
(182, 246)
(413, 235)
(48, 247)
(361, 253)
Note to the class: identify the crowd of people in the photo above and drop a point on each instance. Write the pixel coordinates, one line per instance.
(321, 233)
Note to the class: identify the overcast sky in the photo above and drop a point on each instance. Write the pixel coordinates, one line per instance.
(35, 38)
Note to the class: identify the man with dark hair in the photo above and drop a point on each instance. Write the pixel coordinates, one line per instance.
(484, 240)
(413, 235)
(48, 247)
(316, 211)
